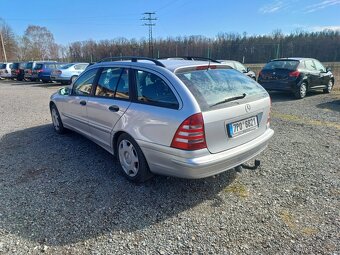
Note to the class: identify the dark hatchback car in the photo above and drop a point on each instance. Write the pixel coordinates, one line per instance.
(298, 75)
(18, 70)
(42, 71)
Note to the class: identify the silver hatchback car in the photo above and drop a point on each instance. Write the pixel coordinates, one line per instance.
(190, 119)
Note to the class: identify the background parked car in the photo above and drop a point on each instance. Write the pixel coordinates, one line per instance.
(68, 73)
(42, 71)
(30, 67)
(18, 70)
(239, 67)
(298, 75)
(5, 70)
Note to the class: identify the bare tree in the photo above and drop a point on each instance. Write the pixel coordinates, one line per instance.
(38, 43)
(9, 42)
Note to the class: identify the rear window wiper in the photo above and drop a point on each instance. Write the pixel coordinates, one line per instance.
(230, 99)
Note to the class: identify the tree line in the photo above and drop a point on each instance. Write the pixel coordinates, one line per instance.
(38, 43)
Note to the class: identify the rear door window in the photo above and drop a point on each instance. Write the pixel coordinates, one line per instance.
(214, 85)
(310, 65)
(38, 66)
(113, 82)
(151, 89)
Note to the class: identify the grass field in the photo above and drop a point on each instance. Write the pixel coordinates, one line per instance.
(335, 66)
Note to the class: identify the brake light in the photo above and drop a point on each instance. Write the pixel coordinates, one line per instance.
(39, 71)
(190, 134)
(260, 73)
(17, 71)
(205, 67)
(294, 74)
(58, 72)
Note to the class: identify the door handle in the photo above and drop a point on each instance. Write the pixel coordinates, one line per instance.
(82, 102)
(114, 108)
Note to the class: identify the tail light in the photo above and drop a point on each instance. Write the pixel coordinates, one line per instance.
(17, 71)
(58, 72)
(190, 134)
(260, 73)
(294, 74)
(39, 71)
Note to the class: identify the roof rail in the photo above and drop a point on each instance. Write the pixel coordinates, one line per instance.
(193, 58)
(132, 58)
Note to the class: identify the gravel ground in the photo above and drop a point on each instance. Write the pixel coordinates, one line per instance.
(64, 194)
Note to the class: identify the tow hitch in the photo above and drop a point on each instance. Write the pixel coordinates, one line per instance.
(257, 163)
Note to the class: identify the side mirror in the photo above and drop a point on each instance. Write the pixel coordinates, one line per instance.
(328, 69)
(65, 91)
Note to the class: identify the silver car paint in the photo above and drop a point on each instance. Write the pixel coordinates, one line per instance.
(153, 127)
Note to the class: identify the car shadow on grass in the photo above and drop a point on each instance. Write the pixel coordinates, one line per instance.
(62, 189)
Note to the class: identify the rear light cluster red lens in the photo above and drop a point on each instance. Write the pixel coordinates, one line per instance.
(190, 134)
(58, 72)
(39, 71)
(294, 74)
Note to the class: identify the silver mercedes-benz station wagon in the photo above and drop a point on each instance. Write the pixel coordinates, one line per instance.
(184, 118)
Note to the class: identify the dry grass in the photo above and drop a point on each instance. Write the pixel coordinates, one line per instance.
(238, 189)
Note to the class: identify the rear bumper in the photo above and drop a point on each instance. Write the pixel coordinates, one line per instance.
(193, 165)
(279, 85)
(60, 78)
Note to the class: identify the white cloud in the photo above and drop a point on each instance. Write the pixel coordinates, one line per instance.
(321, 5)
(271, 8)
(321, 28)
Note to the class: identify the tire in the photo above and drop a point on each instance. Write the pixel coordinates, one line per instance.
(329, 87)
(73, 78)
(44, 81)
(132, 161)
(56, 120)
(301, 91)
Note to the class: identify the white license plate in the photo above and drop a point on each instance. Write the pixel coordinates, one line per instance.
(242, 126)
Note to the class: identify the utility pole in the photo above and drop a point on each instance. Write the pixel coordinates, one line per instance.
(149, 18)
(3, 45)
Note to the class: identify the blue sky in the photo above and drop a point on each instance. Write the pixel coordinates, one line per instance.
(78, 20)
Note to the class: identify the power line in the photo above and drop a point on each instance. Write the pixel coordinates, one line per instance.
(148, 17)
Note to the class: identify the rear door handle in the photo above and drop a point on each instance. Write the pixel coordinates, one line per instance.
(114, 108)
(82, 102)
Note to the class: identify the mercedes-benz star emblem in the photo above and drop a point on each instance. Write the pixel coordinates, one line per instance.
(248, 107)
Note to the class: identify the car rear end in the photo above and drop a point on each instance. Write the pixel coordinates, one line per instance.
(5, 70)
(15, 71)
(229, 126)
(37, 71)
(280, 74)
(28, 70)
(62, 74)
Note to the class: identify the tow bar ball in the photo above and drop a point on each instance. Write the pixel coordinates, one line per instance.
(257, 163)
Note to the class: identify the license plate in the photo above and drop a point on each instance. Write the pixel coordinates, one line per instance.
(242, 126)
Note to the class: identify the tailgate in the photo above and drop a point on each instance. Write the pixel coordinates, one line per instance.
(234, 125)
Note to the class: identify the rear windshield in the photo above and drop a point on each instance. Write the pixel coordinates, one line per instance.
(15, 66)
(215, 85)
(2, 66)
(29, 65)
(66, 66)
(22, 65)
(38, 66)
(282, 64)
